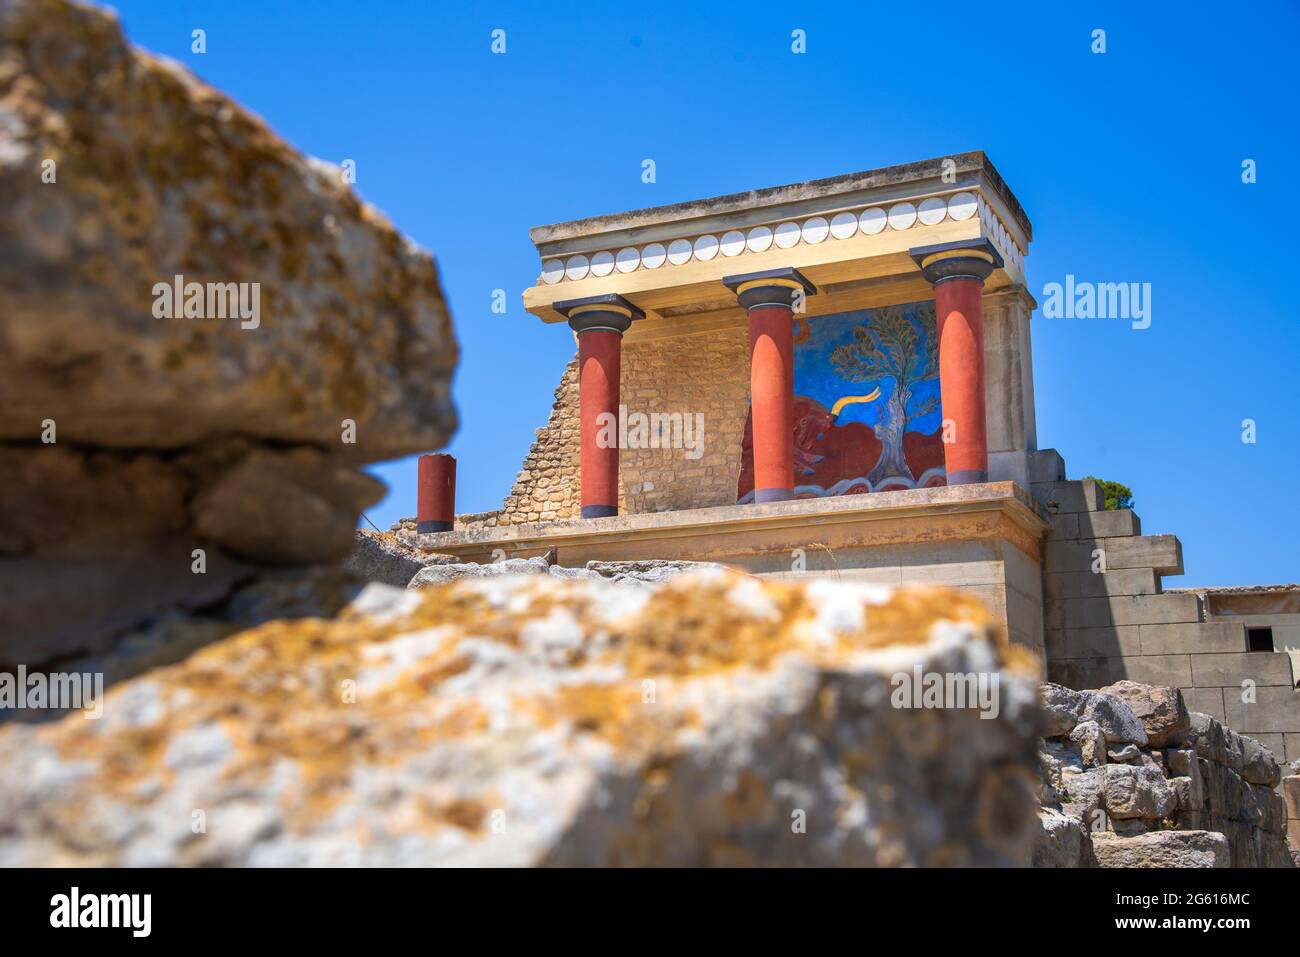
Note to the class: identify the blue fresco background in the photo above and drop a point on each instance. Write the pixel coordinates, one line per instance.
(816, 377)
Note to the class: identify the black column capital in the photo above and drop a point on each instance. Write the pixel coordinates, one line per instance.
(771, 287)
(963, 259)
(610, 311)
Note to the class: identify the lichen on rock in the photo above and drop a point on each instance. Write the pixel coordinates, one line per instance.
(712, 719)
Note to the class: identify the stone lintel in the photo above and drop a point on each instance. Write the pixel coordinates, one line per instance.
(963, 167)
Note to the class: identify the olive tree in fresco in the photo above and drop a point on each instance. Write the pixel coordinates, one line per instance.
(893, 347)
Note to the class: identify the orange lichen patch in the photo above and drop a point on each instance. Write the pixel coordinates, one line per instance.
(286, 691)
(466, 814)
(909, 615)
(124, 758)
(615, 712)
(469, 612)
(696, 629)
(327, 696)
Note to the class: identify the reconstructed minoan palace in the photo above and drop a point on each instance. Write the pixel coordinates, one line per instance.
(835, 378)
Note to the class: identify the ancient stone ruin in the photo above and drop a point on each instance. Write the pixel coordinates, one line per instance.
(813, 634)
(1132, 779)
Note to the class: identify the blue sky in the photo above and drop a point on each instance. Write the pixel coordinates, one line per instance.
(1127, 163)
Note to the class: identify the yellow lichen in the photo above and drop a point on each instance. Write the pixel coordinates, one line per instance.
(280, 691)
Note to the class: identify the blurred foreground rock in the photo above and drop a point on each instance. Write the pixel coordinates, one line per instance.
(129, 440)
(527, 720)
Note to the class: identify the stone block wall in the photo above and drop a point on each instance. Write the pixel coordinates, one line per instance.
(705, 373)
(1107, 617)
(1132, 779)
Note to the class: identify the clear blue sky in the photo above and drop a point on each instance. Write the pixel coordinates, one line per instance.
(1128, 164)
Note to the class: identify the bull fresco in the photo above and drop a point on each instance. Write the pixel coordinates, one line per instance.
(867, 415)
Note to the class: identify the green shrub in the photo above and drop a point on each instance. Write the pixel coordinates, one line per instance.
(1117, 495)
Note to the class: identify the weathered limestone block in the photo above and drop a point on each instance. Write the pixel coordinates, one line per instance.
(1234, 750)
(1222, 789)
(1061, 841)
(636, 573)
(1062, 709)
(1207, 737)
(1181, 761)
(1163, 715)
(1273, 851)
(526, 720)
(1117, 721)
(650, 572)
(1114, 523)
(377, 557)
(442, 574)
(1133, 791)
(1083, 794)
(1244, 844)
(1128, 827)
(1126, 755)
(1185, 779)
(1259, 766)
(1091, 743)
(151, 465)
(1056, 758)
(1070, 496)
(1232, 794)
(1249, 810)
(158, 175)
(1162, 849)
(1272, 809)
(1184, 794)
(286, 508)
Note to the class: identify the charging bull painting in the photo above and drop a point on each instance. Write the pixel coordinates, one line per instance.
(866, 404)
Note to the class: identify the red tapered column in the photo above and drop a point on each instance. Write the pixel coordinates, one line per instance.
(958, 271)
(599, 355)
(436, 505)
(771, 395)
(599, 323)
(771, 298)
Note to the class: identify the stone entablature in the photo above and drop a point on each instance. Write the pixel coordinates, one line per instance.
(804, 226)
(845, 224)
